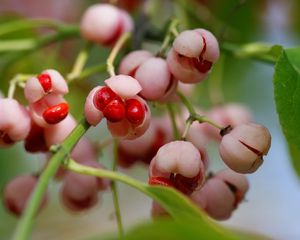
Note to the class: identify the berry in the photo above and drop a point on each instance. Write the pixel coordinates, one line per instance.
(103, 97)
(56, 113)
(135, 112)
(115, 111)
(242, 149)
(45, 81)
(35, 141)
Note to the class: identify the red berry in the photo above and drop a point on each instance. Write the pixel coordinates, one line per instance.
(103, 97)
(115, 110)
(160, 181)
(45, 81)
(56, 113)
(135, 112)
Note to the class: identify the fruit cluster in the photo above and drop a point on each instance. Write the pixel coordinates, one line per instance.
(143, 77)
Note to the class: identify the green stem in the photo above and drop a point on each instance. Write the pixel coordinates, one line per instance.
(173, 120)
(19, 78)
(25, 24)
(263, 52)
(114, 53)
(80, 62)
(25, 225)
(115, 191)
(171, 33)
(89, 72)
(194, 116)
(64, 33)
(188, 124)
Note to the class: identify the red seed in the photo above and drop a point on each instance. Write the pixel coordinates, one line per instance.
(115, 110)
(135, 112)
(103, 97)
(45, 81)
(154, 180)
(56, 113)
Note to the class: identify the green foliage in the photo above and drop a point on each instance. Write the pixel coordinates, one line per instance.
(287, 98)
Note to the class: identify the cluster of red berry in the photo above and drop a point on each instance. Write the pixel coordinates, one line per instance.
(143, 76)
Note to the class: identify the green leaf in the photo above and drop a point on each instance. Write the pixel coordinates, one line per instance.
(168, 229)
(287, 98)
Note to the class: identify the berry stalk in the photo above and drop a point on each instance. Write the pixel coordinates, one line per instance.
(25, 225)
(115, 191)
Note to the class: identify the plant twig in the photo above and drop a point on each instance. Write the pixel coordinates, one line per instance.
(114, 53)
(173, 120)
(26, 223)
(115, 191)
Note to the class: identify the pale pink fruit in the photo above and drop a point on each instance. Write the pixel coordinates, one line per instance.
(192, 55)
(79, 192)
(242, 149)
(237, 183)
(154, 77)
(132, 61)
(104, 24)
(14, 122)
(34, 90)
(216, 198)
(17, 192)
(182, 162)
(123, 85)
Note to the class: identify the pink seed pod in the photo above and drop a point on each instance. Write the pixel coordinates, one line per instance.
(79, 192)
(192, 55)
(104, 24)
(17, 192)
(242, 149)
(155, 78)
(236, 182)
(14, 122)
(37, 109)
(124, 86)
(216, 198)
(181, 160)
(57, 133)
(132, 61)
(232, 114)
(49, 81)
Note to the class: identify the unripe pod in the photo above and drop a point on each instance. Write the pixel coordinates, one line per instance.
(192, 55)
(104, 24)
(242, 149)
(17, 193)
(14, 122)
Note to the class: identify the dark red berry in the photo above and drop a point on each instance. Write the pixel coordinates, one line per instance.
(115, 110)
(103, 97)
(45, 81)
(56, 113)
(135, 112)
